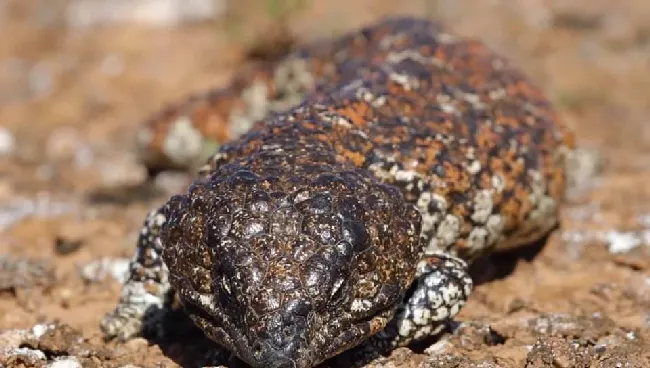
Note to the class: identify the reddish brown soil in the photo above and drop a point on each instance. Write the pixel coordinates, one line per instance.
(69, 191)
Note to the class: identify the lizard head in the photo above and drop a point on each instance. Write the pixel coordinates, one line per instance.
(289, 272)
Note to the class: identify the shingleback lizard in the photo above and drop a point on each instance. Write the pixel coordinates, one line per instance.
(377, 167)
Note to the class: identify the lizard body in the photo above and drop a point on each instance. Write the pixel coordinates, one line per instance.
(347, 216)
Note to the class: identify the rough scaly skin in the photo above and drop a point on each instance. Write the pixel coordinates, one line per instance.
(350, 219)
(182, 136)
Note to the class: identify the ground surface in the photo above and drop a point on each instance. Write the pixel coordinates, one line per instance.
(70, 207)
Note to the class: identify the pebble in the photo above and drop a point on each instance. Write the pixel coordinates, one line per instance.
(65, 246)
(67, 362)
(7, 142)
(161, 13)
(65, 297)
(137, 344)
(585, 167)
(172, 182)
(123, 170)
(39, 330)
(70, 238)
(12, 339)
(623, 242)
(29, 356)
(117, 268)
(11, 347)
(20, 273)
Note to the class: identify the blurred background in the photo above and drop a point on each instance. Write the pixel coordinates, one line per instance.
(78, 76)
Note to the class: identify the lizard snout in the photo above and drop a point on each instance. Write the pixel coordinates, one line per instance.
(281, 341)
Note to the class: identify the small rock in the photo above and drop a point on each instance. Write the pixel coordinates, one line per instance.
(89, 13)
(64, 246)
(557, 352)
(65, 296)
(172, 182)
(136, 344)
(24, 356)
(70, 238)
(623, 242)
(95, 271)
(585, 165)
(20, 273)
(441, 361)
(122, 171)
(61, 339)
(40, 330)
(7, 142)
(67, 362)
(440, 347)
(56, 343)
(11, 352)
(13, 338)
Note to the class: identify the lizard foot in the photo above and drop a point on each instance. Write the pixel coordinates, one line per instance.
(441, 289)
(138, 313)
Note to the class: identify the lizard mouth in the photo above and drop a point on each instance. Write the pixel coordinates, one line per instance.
(258, 351)
(219, 333)
(359, 332)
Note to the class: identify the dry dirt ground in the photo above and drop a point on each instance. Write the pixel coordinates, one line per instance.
(70, 99)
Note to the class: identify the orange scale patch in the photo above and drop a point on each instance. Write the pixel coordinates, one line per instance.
(356, 112)
(522, 194)
(512, 210)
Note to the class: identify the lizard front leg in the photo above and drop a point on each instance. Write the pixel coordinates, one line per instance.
(441, 289)
(146, 294)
